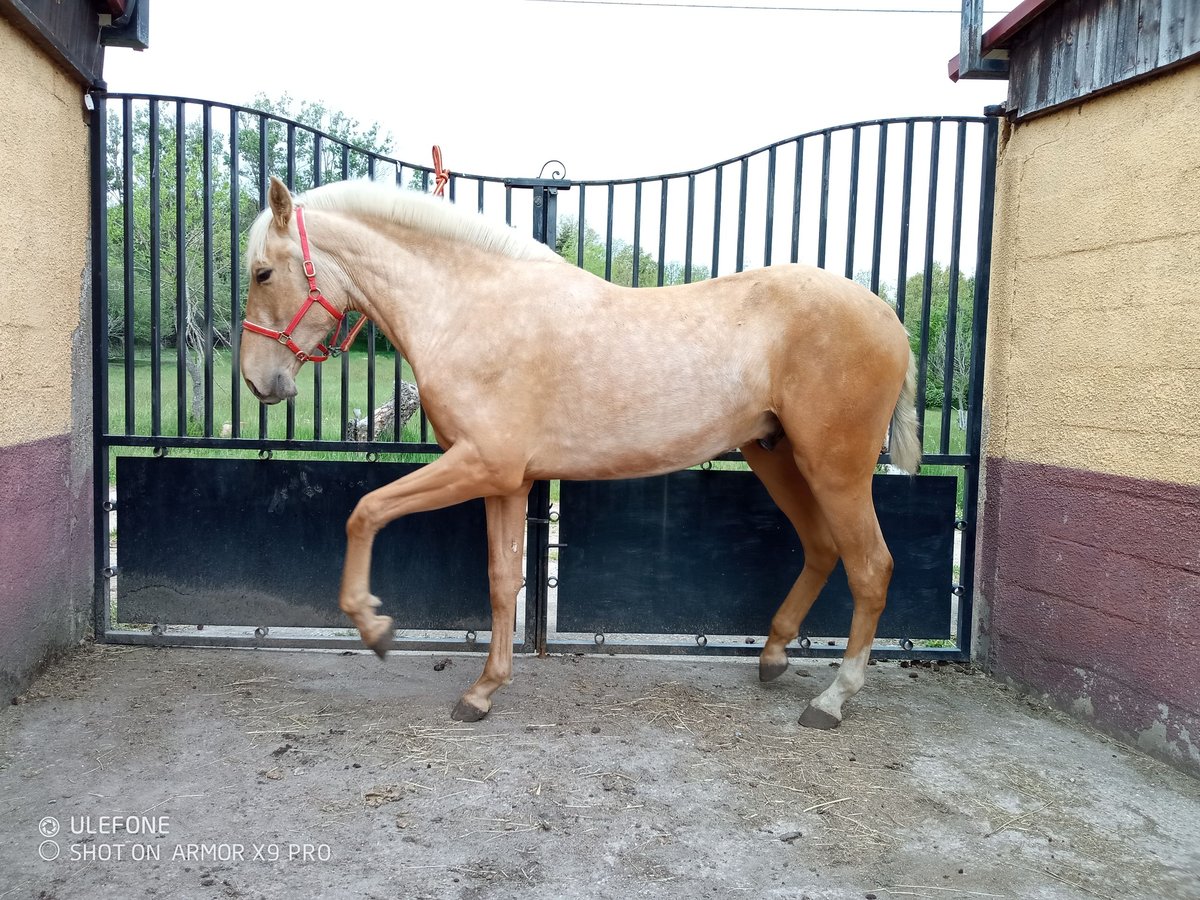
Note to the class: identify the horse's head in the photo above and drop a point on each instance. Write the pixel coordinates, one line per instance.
(287, 316)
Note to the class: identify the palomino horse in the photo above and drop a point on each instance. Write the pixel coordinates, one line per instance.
(530, 368)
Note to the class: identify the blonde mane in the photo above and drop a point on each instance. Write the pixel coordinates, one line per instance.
(412, 209)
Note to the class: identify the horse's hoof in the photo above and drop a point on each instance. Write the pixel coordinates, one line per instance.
(467, 712)
(818, 718)
(769, 671)
(382, 642)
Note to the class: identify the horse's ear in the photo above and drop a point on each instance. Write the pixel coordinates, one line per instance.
(281, 203)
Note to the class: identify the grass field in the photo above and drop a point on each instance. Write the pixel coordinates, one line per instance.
(331, 416)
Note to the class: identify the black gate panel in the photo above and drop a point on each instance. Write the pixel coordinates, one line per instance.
(261, 542)
(708, 552)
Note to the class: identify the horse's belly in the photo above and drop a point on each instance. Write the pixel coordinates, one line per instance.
(632, 448)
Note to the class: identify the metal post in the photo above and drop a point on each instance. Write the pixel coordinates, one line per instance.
(537, 539)
(99, 273)
(983, 274)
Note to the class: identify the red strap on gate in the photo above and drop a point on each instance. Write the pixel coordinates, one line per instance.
(441, 175)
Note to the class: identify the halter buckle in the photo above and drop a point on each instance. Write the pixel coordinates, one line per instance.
(310, 270)
(284, 338)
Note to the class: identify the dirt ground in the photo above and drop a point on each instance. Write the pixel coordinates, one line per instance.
(256, 774)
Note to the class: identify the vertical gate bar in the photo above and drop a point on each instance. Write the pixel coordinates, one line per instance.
(537, 553)
(344, 359)
(823, 223)
(608, 239)
(951, 331)
(796, 195)
(291, 156)
(98, 135)
(453, 186)
(716, 248)
(155, 274)
(691, 222)
(181, 289)
(662, 233)
(880, 188)
(262, 204)
(397, 359)
(397, 373)
(935, 148)
(318, 397)
(769, 237)
(905, 220)
(209, 329)
(743, 189)
(344, 396)
(479, 203)
(580, 228)
(370, 331)
(635, 277)
(550, 220)
(852, 211)
(537, 567)
(290, 427)
(127, 258)
(235, 275)
(508, 204)
(983, 274)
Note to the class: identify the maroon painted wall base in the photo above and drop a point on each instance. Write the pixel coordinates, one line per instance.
(1090, 592)
(45, 556)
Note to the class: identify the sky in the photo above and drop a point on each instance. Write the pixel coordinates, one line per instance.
(612, 89)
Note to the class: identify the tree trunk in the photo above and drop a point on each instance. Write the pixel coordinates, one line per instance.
(196, 373)
(387, 421)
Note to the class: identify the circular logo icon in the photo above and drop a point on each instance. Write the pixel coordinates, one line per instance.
(48, 826)
(48, 850)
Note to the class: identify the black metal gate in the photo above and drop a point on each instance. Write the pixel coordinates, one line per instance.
(231, 515)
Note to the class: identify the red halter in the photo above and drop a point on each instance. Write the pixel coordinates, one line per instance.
(314, 296)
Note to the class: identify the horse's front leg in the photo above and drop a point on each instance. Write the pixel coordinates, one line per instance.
(458, 475)
(506, 540)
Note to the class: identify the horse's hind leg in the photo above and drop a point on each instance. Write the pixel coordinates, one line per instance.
(506, 540)
(778, 472)
(850, 513)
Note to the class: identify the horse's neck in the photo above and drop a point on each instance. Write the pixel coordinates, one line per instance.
(404, 279)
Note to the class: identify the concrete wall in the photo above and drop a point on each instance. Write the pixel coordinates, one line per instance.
(1090, 543)
(45, 378)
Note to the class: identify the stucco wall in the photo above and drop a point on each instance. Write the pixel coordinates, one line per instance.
(1090, 583)
(45, 443)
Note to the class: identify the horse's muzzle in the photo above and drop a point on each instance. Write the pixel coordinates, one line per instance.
(282, 387)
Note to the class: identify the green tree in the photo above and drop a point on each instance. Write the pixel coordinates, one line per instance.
(340, 158)
(939, 313)
(594, 258)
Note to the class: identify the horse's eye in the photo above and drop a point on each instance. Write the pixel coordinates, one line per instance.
(262, 275)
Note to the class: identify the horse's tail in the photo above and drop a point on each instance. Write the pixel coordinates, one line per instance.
(905, 445)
